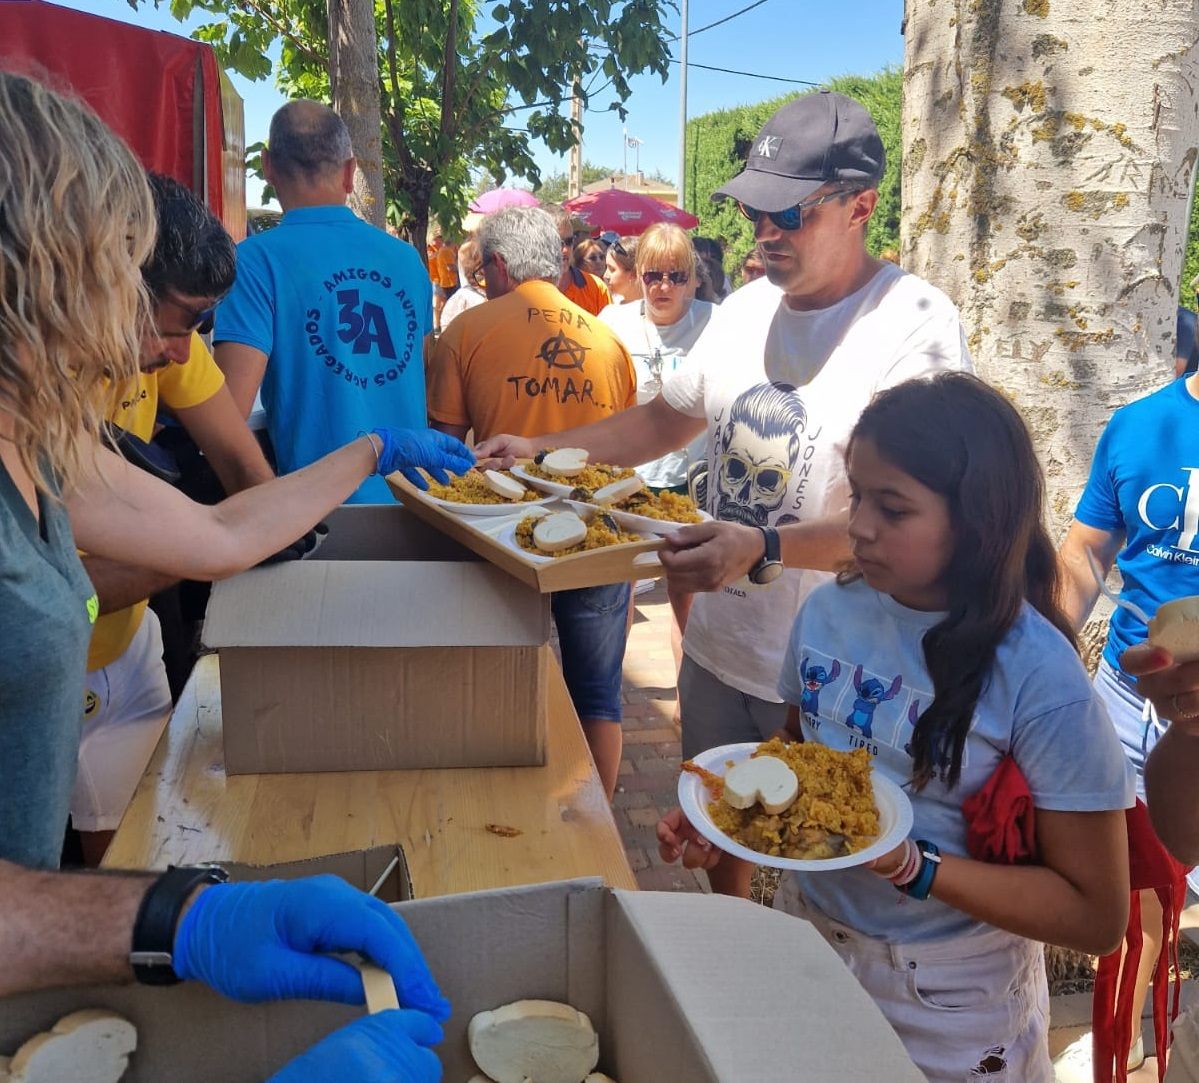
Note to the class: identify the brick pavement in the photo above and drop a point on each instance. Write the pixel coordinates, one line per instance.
(649, 770)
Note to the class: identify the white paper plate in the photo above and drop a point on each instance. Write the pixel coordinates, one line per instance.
(558, 488)
(894, 815)
(507, 537)
(486, 509)
(642, 524)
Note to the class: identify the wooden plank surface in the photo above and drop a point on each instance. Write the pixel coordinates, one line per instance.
(186, 810)
(479, 533)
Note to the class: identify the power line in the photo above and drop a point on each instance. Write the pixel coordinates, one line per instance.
(720, 22)
(750, 74)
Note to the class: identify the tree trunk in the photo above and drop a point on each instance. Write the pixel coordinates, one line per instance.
(1049, 148)
(354, 79)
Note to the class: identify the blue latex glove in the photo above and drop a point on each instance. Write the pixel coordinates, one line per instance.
(390, 1047)
(266, 941)
(436, 452)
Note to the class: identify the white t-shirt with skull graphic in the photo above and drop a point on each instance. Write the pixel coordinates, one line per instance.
(781, 391)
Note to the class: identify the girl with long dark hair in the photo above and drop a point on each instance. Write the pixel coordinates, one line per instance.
(956, 669)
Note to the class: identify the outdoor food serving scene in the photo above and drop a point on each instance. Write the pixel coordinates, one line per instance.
(508, 579)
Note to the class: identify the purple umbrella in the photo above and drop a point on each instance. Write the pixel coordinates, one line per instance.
(499, 198)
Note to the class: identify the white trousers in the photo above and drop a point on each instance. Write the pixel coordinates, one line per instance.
(969, 1008)
(126, 707)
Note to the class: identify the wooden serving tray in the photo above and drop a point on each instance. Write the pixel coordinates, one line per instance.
(481, 534)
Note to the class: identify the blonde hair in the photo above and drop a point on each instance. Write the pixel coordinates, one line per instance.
(76, 224)
(665, 247)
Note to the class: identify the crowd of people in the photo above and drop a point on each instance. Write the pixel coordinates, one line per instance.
(877, 540)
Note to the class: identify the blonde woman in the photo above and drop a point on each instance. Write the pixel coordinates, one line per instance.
(76, 222)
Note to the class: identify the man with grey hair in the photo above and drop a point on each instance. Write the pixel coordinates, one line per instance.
(530, 361)
(329, 314)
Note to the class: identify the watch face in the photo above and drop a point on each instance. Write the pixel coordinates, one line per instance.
(767, 573)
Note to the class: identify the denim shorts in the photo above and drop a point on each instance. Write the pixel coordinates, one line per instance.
(592, 630)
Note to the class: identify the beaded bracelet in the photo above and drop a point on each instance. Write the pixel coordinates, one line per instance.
(911, 870)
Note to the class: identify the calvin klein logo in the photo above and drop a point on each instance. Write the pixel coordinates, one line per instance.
(769, 146)
(1180, 501)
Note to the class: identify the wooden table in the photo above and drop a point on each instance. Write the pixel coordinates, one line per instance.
(185, 810)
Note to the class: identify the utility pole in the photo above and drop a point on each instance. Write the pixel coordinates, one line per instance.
(574, 175)
(683, 106)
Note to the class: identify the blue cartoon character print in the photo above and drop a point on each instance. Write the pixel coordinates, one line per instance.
(944, 760)
(814, 679)
(913, 718)
(871, 692)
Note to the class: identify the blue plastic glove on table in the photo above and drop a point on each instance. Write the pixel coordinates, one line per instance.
(390, 1047)
(437, 452)
(268, 941)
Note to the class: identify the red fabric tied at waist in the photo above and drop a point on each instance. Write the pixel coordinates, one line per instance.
(1000, 825)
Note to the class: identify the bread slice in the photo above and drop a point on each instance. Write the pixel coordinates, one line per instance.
(91, 1046)
(565, 462)
(1175, 626)
(764, 779)
(620, 489)
(559, 531)
(540, 1040)
(502, 485)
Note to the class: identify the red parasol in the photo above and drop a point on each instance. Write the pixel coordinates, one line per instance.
(626, 212)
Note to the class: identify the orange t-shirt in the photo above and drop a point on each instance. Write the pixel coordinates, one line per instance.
(528, 363)
(592, 296)
(447, 266)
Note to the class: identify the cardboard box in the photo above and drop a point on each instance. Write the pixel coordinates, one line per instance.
(391, 647)
(382, 871)
(682, 989)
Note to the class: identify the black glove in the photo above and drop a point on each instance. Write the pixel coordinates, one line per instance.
(299, 549)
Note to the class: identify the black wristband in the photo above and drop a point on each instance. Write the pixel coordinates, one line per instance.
(151, 955)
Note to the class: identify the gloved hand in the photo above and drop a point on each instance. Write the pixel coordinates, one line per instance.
(266, 941)
(390, 1047)
(299, 549)
(436, 452)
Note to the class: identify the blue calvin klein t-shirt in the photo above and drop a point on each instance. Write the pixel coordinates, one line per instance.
(855, 667)
(341, 309)
(1144, 483)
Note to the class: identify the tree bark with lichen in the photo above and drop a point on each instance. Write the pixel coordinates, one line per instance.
(354, 83)
(1049, 151)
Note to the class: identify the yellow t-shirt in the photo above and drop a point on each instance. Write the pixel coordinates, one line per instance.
(527, 363)
(447, 266)
(177, 386)
(592, 296)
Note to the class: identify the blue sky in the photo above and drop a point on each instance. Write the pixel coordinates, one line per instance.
(794, 39)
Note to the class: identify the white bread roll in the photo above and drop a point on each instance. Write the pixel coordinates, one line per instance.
(621, 489)
(1175, 626)
(565, 462)
(559, 531)
(763, 779)
(502, 485)
(90, 1046)
(534, 1039)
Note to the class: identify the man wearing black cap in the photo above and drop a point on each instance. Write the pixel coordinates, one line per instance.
(777, 382)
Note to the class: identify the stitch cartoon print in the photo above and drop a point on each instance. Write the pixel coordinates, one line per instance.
(814, 679)
(871, 692)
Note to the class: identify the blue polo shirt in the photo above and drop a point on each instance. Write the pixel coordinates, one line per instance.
(1144, 483)
(341, 309)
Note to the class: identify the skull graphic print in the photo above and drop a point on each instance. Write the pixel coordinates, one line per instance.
(755, 454)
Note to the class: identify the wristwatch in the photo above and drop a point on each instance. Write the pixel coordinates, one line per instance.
(770, 567)
(152, 956)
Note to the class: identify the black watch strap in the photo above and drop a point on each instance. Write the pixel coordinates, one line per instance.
(773, 548)
(154, 930)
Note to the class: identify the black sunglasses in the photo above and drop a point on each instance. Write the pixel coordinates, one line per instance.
(676, 278)
(792, 218)
(198, 323)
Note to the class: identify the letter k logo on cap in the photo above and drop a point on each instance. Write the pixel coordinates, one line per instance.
(769, 146)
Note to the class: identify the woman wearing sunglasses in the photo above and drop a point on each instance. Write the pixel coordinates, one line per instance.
(620, 270)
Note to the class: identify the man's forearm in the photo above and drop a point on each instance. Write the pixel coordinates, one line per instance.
(631, 437)
(60, 929)
(1170, 775)
(119, 585)
(821, 545)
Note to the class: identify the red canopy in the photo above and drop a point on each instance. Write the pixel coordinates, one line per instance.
(626, 212)
(159, 92)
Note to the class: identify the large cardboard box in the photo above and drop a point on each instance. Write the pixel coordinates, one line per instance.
(392, 647)
(382, 871)
(682, 989)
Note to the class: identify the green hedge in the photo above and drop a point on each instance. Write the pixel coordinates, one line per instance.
(718, 143)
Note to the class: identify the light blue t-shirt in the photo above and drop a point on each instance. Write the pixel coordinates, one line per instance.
(341, 309)
(1144, 483)
(855, 667)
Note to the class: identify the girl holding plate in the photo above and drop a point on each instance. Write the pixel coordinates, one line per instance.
(958, 672)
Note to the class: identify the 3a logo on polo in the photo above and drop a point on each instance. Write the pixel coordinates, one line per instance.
(769, 146)
(1166, 506)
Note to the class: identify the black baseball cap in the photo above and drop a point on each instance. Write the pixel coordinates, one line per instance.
(809, 142)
